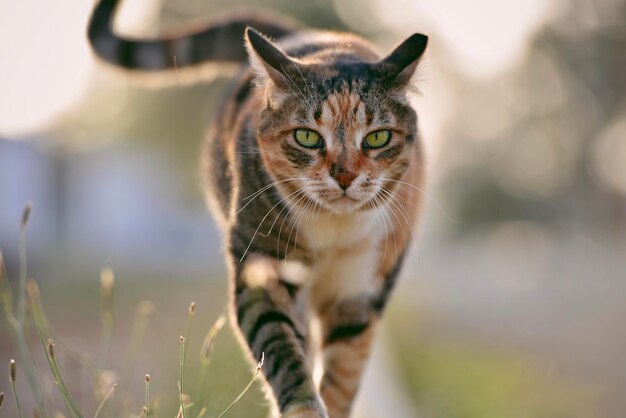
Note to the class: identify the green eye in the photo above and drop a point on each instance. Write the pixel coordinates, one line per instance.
(377, 139)
(308, 138)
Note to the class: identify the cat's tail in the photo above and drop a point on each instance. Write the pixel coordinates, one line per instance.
(221, 41)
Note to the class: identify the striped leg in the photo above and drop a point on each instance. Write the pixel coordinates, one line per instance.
(270, 325)
(348, 334)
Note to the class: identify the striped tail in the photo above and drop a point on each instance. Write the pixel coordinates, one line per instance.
(219, 42)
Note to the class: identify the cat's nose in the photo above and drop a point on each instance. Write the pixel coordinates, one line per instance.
(344, 178)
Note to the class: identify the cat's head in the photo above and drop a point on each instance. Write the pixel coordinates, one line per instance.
(336, 128)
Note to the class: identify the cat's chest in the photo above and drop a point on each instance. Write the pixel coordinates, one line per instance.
(344, 256)
(327, 234)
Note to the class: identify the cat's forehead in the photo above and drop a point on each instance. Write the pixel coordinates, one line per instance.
(345, 106)
(345, 79)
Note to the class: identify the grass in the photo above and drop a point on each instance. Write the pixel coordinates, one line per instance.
(456, 378)
(194, 376)
(111, 388)
(13, 379)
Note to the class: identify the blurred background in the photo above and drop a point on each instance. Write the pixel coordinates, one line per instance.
(513, 300)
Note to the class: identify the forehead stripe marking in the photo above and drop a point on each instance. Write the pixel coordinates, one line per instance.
(338, 106)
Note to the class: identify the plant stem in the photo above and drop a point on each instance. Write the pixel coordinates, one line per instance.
(12, 375)
(243, 392)
(54, 367)
(182, 375)
(17, 321)
(147, 380)
(106, 398)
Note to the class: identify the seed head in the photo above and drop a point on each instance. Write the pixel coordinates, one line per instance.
(260, 364)
(192, 308)
(26, 213)
(209, 341)
(12, 371)
(146, 308)
(185, 399)
(32, 290)
(107, 281)
(51, 347)
(202, 411)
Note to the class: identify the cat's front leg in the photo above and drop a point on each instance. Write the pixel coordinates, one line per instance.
(348, 330)
(269, 324)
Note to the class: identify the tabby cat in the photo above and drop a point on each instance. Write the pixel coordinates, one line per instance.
(312, 166)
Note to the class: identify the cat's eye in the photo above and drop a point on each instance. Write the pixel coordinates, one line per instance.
(308, 138)
(377, 139)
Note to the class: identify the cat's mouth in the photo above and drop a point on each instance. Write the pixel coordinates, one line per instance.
(345, 199)
(344, 203)
(350, 199)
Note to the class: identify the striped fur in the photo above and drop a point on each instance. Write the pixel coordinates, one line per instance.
(315, 236)
(220, 41)
(317, 251)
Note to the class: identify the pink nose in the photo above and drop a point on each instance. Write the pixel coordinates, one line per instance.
(344, 178)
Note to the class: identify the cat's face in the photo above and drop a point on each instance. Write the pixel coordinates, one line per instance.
(337, 139)
(344, 149)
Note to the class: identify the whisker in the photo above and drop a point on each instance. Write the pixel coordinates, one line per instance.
(247, 152)
(260, 191)
(302, 190)
(306, 85)
(263, 220)
(432, 199)
(403, 212)
(297, 220)
(401, 200)
(274, 184)
(393, 230)
(390, 95)
(384, 223)
(239, 141)
(306, 102)
(304, 211)
(280, 231)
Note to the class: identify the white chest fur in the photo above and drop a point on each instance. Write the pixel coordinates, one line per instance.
(346, 257)
(335, 232)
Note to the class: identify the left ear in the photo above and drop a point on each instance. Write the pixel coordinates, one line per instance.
(400, 65)
(267, 59)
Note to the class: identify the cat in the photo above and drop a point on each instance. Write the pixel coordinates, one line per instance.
(312, 166)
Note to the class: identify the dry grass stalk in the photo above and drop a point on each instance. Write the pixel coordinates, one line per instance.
(146, 408)
(33, 293)
(13, 379)
(243, 392)
(29, 298)
(107, 318)
(105, 399)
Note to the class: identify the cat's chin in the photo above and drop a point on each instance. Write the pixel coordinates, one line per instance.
(344, 204)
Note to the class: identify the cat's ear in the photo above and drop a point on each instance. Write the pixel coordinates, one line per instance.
(401, 63)
(267, 59)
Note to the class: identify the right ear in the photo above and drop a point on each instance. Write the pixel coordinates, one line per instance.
(267, 60)
(402, 62)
